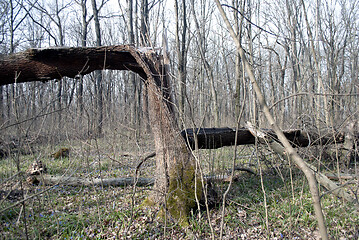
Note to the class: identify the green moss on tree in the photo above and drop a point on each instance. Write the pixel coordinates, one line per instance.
(181, 197)
(182, 193)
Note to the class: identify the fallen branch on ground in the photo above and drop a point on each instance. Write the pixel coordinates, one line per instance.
(342, 176)
(76, 181)
(118, 182)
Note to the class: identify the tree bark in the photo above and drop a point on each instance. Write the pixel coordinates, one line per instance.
(84, 30)
(135, 103)
(207, 67)
(98, 73)
(181, 54)
(175, 167)
(212, 138)
(55, 63)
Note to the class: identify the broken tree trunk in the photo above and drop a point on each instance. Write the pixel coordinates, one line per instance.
(211, 138)
(175, 167)
(43, 64)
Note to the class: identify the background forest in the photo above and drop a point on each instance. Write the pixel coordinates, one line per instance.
(316, 60)
(304, 55)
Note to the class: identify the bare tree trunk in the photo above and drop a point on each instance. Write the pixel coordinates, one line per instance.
(181, 54)
(76, 181)
(211, 138)
(208, 69)
(60, 83)
(238, 70)
(145, 41)
(144, 33)
(135, 84)
(98, 74)
(293, 56)
(319, 73)
(80, 90)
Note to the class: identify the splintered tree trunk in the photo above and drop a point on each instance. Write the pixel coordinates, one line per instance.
(175, 176)
(175, 182)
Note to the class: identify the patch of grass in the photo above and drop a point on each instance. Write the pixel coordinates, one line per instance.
(9, 215)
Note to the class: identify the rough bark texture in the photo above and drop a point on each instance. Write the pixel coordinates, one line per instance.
(55, 63)
(175, 181)
(211, 138)
(175, 176)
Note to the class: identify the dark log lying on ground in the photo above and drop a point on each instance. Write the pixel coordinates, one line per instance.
(211, 138)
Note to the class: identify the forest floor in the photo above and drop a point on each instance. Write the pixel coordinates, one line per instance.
(275, 203)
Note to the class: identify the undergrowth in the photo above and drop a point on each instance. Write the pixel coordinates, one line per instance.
(65, 212)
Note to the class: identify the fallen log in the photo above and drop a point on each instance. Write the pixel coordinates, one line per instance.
(47, 179)
(212, 138)
(77, 181)
(342, 176)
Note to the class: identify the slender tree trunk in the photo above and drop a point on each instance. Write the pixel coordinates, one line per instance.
(181, 54)
(135, 102)
(61, 43)
(317, 67)
(208, 69)
(238, 63)
(12, 30)
(10, 90)
(293, 55)
(98, 74)
(80, 91)
(145, 41)
(144, 33)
